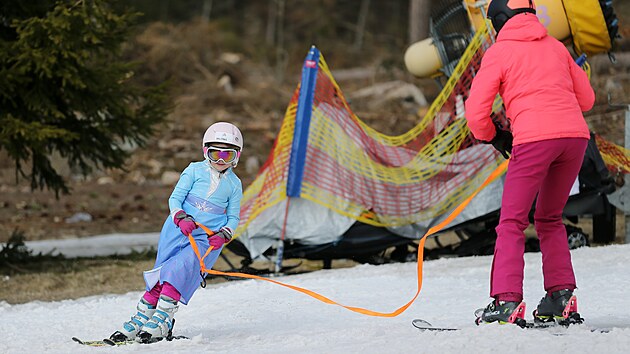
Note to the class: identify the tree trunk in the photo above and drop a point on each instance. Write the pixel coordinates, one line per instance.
(419, 17)
(363, 14)
(206, 10)
(164, 10)
(272, 13)
(281, 55)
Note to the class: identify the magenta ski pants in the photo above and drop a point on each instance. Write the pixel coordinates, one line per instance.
(546, 168)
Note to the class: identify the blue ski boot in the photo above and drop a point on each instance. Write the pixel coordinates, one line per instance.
(131, 328)
(160, 326)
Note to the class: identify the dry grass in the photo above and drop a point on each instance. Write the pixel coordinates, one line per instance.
(94, 279)
(71, 279)
(55, 280)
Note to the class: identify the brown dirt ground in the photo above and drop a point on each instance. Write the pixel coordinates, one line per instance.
(127, 208)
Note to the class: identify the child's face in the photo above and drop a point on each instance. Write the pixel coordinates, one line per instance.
(220, 166)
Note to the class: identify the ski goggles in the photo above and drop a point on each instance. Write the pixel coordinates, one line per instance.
(215, 154)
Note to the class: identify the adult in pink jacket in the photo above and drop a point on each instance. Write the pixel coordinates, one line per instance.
(545, 93)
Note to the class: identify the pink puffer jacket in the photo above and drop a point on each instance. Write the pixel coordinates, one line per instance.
(543, 90)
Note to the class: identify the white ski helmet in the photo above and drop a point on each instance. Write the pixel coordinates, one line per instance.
(223, 132)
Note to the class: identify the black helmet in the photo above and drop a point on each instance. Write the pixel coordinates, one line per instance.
(500, 11)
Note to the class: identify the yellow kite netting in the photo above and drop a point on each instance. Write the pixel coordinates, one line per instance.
(617, 158)
(378, 179)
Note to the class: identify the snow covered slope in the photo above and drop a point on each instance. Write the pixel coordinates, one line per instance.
(258, 317)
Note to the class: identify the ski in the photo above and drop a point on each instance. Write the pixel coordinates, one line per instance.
(110, 343)
(168, 339)
(99, 343)
(423, 325)
(426, 326)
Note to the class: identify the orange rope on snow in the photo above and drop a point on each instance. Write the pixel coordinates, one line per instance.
(494, 175)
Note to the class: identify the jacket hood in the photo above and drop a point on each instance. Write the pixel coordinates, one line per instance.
(522, 27)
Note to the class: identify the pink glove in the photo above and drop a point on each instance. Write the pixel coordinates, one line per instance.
(185, 222)
(220, 238)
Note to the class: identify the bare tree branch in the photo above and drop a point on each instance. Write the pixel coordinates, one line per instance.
(419, 16)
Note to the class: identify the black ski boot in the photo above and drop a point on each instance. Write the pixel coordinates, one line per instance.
(502, 312)
(560, 307)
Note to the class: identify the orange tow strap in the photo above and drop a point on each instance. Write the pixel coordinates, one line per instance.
(494, 175)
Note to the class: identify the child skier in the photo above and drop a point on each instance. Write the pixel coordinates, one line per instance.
(207, 192)
(544, 93)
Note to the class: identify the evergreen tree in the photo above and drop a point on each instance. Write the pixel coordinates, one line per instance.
(65, 89)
